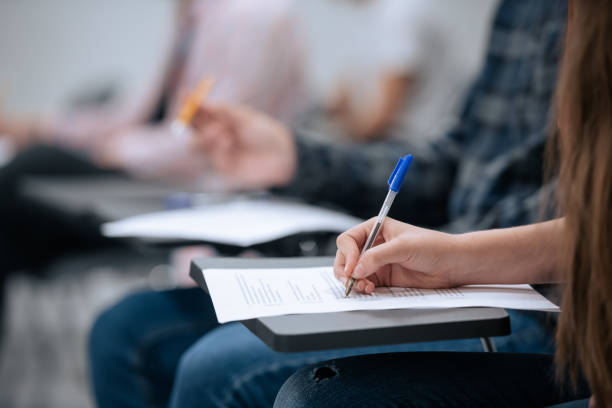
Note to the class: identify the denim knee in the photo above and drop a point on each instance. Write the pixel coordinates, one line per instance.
(103, 344)
(135, 346)
(113, 352)
(191, 373)
(112, 336)
(229, 367)
(206, 369)
(113, 339)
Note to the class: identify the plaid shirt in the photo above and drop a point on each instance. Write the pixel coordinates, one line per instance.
(487, 171)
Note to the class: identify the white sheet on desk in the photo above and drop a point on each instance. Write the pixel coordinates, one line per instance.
(240, 294)
(242, 223)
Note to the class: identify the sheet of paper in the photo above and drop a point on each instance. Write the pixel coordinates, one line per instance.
(242, 222)
(240, 294)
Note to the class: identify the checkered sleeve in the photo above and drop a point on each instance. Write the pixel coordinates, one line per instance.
(354, 177)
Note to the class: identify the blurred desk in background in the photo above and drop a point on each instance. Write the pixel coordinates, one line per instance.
(115, 198)
(110, 197)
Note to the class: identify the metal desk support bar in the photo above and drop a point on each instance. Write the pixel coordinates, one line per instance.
(488, 345)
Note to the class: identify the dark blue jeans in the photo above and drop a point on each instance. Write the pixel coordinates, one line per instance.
(158, 348)
(428, 379)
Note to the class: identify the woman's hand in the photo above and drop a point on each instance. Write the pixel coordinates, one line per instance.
(402, 255)
(408, 256)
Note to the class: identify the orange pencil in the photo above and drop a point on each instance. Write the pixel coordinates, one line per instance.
(180, 125)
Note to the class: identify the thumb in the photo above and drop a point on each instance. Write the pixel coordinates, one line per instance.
(376, 258)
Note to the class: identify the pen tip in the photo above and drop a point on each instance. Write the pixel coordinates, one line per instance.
(349, 287)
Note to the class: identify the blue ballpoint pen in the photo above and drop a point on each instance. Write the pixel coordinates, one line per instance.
(395, 182)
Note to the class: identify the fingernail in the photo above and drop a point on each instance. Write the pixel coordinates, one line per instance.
(360, 286)
(359, 271)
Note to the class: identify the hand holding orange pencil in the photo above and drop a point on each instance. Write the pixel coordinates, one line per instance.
(180, 125)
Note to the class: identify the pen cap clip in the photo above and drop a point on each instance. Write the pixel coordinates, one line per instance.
(397, 177)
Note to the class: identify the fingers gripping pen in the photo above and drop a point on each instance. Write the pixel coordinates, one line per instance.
(395, 182)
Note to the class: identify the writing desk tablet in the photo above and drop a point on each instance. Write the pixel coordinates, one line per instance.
(110, 197)
(323, 331)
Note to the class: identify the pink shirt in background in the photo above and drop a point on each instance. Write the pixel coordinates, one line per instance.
(251, 50)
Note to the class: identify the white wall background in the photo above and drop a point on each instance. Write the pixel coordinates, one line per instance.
(52, 49)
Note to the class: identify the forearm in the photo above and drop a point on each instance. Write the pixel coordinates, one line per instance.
(526, 254)
(395, 90)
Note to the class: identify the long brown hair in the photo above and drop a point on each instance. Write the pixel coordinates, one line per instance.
(584, 335)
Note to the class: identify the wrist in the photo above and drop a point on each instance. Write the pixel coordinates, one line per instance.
(525, 254)
(484, 257)
(465, 262)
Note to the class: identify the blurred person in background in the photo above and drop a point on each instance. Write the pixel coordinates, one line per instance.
(486, 172)
(389, 68)
(250, 51)
(236, 43)
(239, 42)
